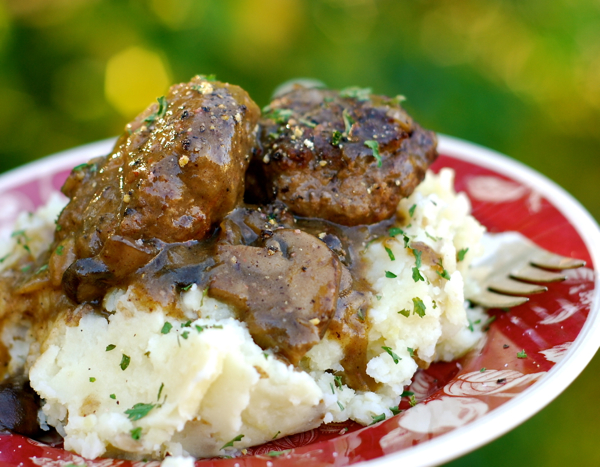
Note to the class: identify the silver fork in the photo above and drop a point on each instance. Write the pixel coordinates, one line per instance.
(514, 266)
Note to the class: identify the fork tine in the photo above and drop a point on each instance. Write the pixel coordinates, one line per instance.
(547, 260)
(489, 299)
(512, 287)
(533, 274)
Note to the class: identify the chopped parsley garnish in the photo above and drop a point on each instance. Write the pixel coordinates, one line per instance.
(461, 254)
(411, 352)
(338, 381)
(377, 418)
(166, 328)
(404, 312)
(139, 411)
(419, 307)
(390, 275)
(470, 326)
(443, 274)
(390, 253)
(26, 268)
(378, 297)
(348, 122)
(185, 334)
(60, 250)
(202, 328)
(395, 410)
(340, 405)
(136, 433)
(361, 314)
(234, 440)
(486, 326)
(92, 380)
(417, 253)
(354, 92)
(278, 453)
(406, 241)
(187, 287)
(374, 145)
(113, 396)
(160, 390)
(411, 211)
(79, 167)
(412, 401)
(125, 360)
(416, 275)
(407, 394)
(162, 110)
(276, 435)
(336, 138)
(522, 354)
(395, 231)
(435, 239)
(204, 292)
(42, 269)
(332, 389)
(482, 370)
(110, 347)
(187, 324)
(392, 354)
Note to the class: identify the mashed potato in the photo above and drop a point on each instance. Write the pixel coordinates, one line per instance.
(137, 383)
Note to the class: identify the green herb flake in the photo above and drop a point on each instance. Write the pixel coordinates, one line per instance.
(113, 396)
(92, 380)
(354, 92)
(26, 268)
(187, 287)
(404, 312)
(162, 110)
(332, 389)
(336, 138)
(411, 211)
(276, 435)
(461, 254)
(139, 411)
(160, 390)
(185, 334)
(435, 239)
(390, 275)
(488, 323)
(42, 269)
(418, 260)
(374, 145)
(416, 275)
(110, 347)
(308, 123)
(406, 241)
(378, 297)
(395, 231)
(338, 382)
(340, 406)
(166, 328)
(59, 251)
(136, 433)
(482, 370)
(390, 253)
(412, 401)
(470, 326)
(125, 360)
(79, 167)
(234, 440)
(187, 324)
(419, 307)
(278, 453)
(392, 354)
(204, 293)
(361, 314)
(522, 354)
(407, 394)
(444, 274)
(395, 410)
(410, 351)
(377, 418)
(348, 122)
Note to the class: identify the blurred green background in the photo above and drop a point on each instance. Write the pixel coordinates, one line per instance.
(518, 76)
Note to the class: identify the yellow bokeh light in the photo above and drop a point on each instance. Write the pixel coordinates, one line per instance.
(134, 79)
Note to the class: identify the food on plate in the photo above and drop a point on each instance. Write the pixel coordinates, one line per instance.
(224, 278)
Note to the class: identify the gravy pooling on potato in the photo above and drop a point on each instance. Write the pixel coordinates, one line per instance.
(165, 210)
